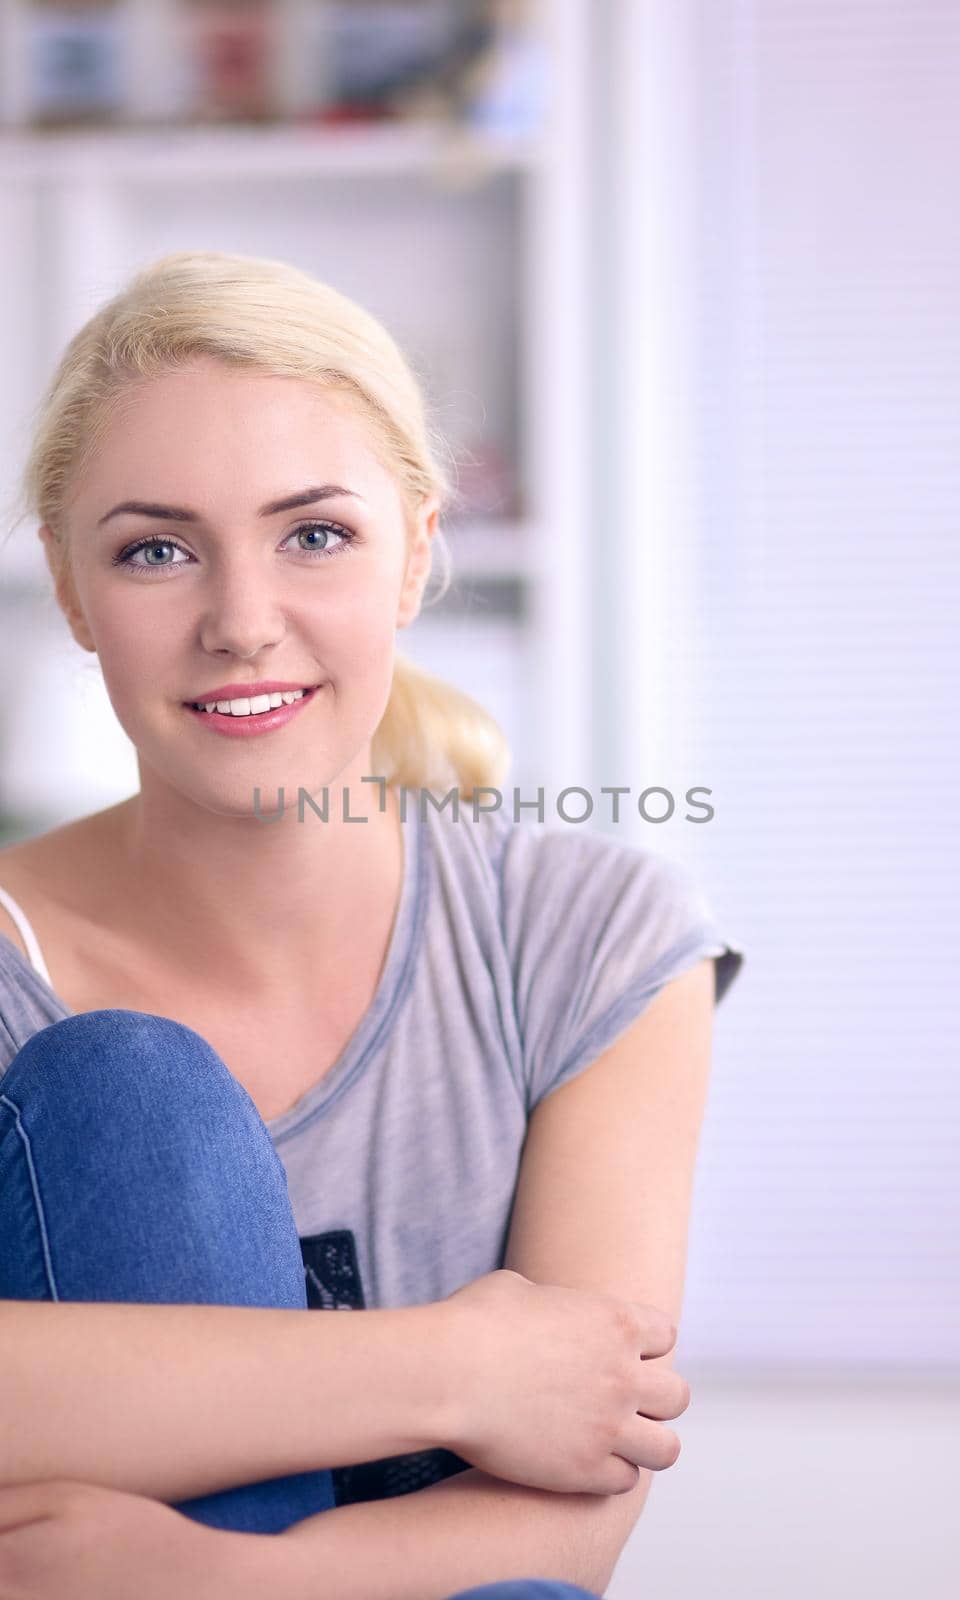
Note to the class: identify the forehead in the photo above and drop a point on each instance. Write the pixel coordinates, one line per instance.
(212, 434)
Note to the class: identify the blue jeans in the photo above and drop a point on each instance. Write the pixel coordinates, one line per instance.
(134, 1167)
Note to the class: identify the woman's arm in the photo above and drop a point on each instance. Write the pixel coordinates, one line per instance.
(179, 1400)
(175, 1401)
(602, 1203)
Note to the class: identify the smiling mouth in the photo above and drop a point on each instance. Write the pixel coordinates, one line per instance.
(265, 704)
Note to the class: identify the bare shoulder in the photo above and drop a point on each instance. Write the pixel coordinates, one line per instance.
(46, 872)
(21, 877)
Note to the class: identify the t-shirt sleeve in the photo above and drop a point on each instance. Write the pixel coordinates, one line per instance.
(26, 1002)
(595, 927)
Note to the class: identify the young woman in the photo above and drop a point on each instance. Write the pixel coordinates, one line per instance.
(309, 1023)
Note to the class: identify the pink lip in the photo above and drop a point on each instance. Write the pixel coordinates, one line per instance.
(249, 727)
(239, 691)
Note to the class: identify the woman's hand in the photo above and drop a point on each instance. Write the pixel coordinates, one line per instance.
(552, 1388)
(65, 1540)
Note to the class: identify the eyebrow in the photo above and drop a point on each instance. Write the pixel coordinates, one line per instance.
(305, 497)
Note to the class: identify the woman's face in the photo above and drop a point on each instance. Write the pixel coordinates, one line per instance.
(228, 587)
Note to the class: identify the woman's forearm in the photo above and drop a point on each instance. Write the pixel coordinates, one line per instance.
(469, 1529)
(175, 1401)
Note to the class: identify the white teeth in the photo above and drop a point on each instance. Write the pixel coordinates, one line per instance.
(252, 707)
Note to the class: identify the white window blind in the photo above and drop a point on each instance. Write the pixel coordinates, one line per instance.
(796, 161)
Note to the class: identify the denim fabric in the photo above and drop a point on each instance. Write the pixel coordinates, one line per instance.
(134, 1167)
(525, 1589)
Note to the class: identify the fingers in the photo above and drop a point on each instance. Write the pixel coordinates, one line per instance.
(643, 1441)
(618, 1477)
(23, 1503)
(659, 1333)
(665, 1394)
(646, 1443)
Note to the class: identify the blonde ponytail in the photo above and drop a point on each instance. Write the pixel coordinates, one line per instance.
(435, 736)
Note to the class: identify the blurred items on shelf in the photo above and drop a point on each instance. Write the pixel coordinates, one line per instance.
(505, 89)
(473, 63)
(227, 49)
(389, 58)
(75, 60)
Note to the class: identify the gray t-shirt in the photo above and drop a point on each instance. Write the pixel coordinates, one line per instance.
(519, 952)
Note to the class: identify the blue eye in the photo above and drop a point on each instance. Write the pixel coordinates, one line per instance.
(344, 538)
(124, 559)
(326, 528)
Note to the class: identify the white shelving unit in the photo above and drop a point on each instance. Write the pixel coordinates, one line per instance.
(471, 247)
(199, 155)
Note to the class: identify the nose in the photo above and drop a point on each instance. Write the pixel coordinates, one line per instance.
(242, 616)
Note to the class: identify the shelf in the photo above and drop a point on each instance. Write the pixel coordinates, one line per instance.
(201, 153)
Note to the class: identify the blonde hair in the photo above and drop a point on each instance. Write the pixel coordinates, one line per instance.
(265, 315)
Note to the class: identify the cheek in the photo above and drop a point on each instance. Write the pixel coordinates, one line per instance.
(136, 642)
(356, 636)
(361, 661)
(121, 616)
(139, 652)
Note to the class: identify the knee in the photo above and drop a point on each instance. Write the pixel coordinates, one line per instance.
(105, 1039)
(104, 1056)
(145, 1165)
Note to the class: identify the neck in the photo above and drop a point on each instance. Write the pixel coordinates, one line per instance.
(258, 906)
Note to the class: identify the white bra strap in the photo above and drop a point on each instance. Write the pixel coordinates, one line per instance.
(29, 937)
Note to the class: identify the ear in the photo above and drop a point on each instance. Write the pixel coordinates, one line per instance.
(66, 593)
(417, 569)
